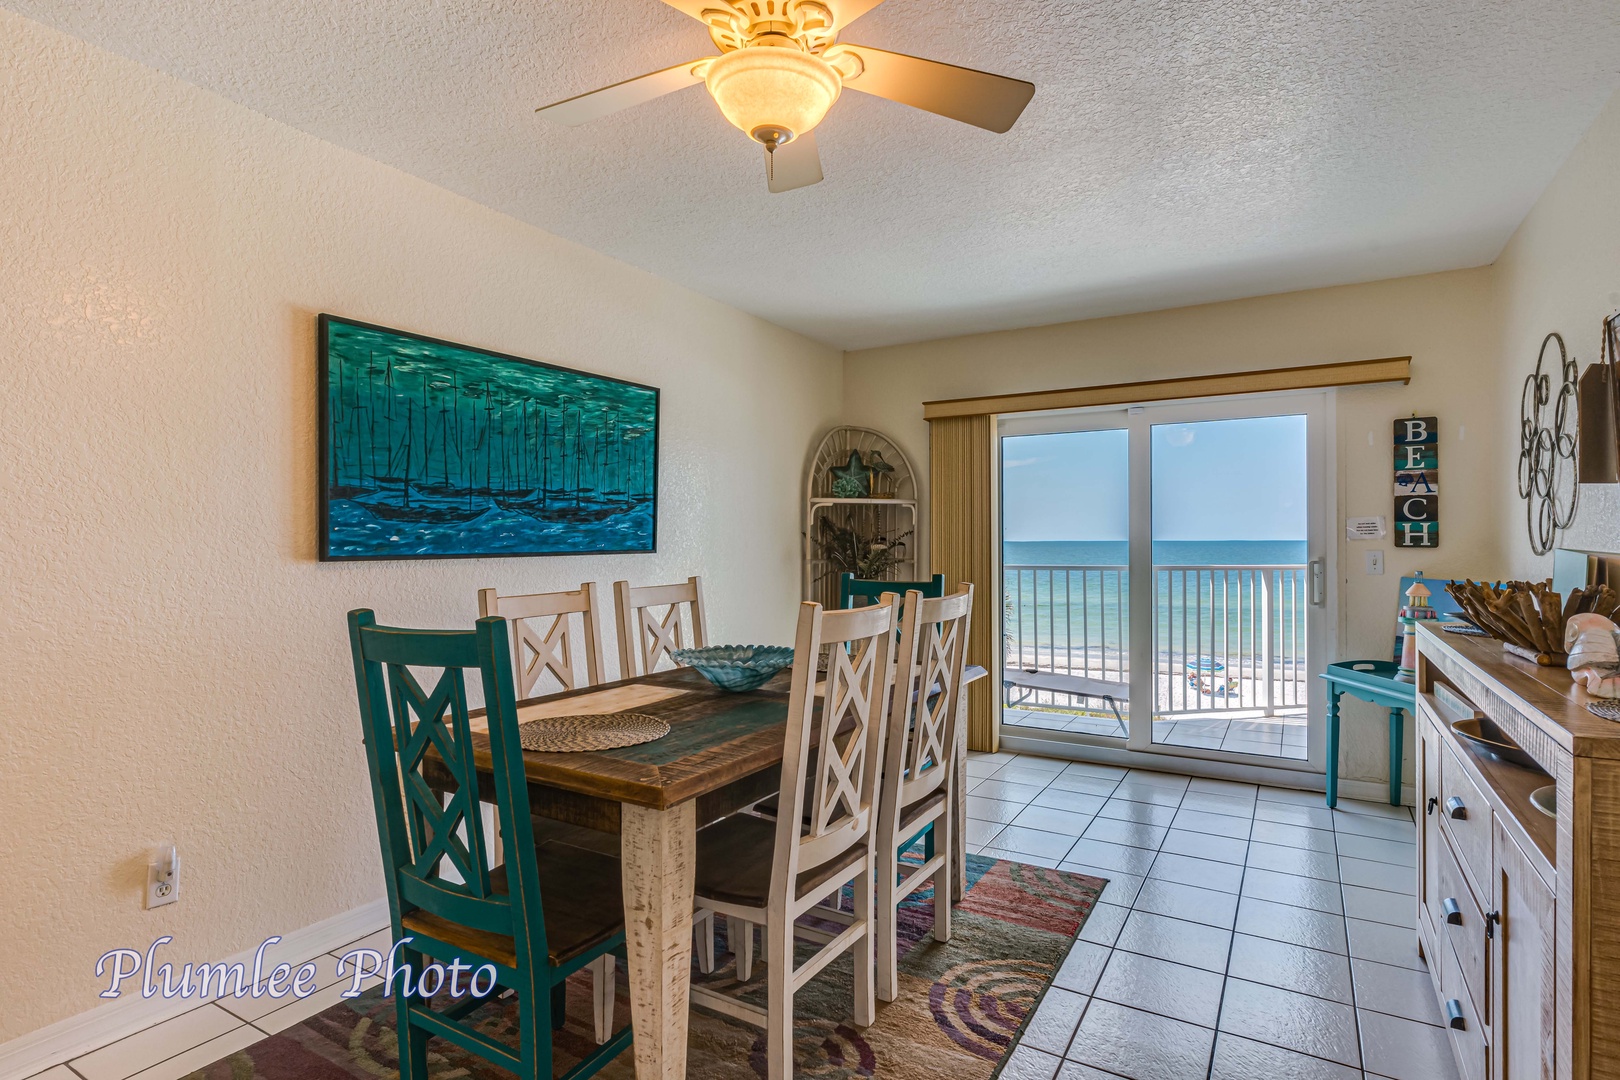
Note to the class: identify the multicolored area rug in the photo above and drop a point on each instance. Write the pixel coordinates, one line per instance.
(961, 1009)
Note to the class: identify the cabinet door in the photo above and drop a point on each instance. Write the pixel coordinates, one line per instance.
(1522, 968)
(1428, 778)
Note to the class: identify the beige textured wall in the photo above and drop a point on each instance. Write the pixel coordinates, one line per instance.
(1442, 321)
(174, 659)
(1561, 271)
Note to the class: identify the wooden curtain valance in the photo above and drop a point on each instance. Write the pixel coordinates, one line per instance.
(1349, 373)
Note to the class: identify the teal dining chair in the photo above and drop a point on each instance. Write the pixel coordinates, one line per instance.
(852, 588)
(546, 912)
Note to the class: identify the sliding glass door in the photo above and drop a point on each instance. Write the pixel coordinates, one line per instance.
(1164, 577)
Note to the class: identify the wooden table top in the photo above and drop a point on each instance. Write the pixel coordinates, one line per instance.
(716, 737)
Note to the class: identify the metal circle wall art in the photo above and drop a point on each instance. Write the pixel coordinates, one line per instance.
(1549, 416)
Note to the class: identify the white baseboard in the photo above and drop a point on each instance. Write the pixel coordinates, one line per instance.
(78, 1035)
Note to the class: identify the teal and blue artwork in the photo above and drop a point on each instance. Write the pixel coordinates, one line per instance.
(434, 450)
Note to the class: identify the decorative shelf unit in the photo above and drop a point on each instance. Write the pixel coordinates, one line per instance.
(891, 518)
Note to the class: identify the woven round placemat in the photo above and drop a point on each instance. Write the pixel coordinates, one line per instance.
(597, 731)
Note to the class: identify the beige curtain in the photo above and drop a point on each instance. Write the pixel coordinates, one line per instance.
(961, 534)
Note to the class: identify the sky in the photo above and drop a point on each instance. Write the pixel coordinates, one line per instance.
(1212, 480)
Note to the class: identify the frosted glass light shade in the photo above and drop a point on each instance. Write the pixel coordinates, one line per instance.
(772, 92)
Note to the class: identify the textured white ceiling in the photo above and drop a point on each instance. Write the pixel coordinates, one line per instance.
(1176, 152)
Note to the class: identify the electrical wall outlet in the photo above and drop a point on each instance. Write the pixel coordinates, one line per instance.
(163, 878)
(1375, 562)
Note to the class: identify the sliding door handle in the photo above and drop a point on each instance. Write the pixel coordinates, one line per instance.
(1318, 582)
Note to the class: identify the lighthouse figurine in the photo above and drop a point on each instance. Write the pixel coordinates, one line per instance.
(1417, 607)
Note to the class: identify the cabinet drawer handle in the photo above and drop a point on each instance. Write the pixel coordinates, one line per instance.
(1452, 911)
(1454, 1015)
(1455, 809)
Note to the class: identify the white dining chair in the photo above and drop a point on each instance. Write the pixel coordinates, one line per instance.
(651, 627)
(919, 760)
(773, 873)
(543, 638)
(543, 653)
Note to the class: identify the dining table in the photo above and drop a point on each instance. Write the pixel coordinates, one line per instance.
(723, 753)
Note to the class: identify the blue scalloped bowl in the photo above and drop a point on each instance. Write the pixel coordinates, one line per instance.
(736, 667)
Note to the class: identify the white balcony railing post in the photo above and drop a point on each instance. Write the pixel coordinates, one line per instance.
(1268, 683)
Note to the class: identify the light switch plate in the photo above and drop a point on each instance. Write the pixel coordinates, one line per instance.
(1375, 562)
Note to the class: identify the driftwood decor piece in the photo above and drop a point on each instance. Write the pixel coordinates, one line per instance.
(1549, 419)
(1529, 617)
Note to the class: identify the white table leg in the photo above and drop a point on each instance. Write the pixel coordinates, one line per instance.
(658, 848)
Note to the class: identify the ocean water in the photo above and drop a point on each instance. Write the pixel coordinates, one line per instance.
(1165, 552)
(1079, 618)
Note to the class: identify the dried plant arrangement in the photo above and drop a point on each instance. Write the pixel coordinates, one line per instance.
(1529, 617)
(849, 549)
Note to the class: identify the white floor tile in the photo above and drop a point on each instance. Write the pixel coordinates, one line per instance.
(1082, 967)
(1405, 1049)
(1003, 789)
(1291, 860)
(1074, 802)
(1121, 857)
(1018, 773)
(1375, 809)
(1374, 849)
(1397, 991)
(1295, 925)
(1237, 1058)
(198, 1057)
(1137, 791)
(1275, 832)
(250, 1008)
(979, 833)
(1195, 944)
(1048, 845)
(1188, 902)
(1086, 768)
(1378, 875)
(1160, 986)
(1231, 789)
(1122, 888)
(1299, 1022)
(1375, 905)
(1000, 811)
(1312, 817)
(1205, 873)
(1292, 795)
(1384, 828)
(1201, 821)
(156, 1044)
(60, 1072)
(996, 851)
(380, 940)
(1385, 944)
(1216, 803)
(1129, 833)
(1055, 1019)
(1035, 763)
(1305, 892)
(1142, 813)
(1173, 781)
(1083, 783)
(1141, 1045)
(1291, 967)
(1206, 846)
(1104, 923)
(1049, 819)
(1028, 1063)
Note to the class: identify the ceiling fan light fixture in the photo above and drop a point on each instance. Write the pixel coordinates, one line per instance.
(773, 94)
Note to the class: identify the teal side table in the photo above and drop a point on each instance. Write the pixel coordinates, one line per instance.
(1374, 681)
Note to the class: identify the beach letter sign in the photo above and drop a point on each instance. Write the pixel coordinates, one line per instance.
(1417, 482)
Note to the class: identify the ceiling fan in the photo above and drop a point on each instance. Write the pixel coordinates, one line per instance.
(781, 68)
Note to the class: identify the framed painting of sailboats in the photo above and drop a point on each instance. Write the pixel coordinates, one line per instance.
(432, 450)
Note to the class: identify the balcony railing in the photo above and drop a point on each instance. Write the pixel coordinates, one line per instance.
(1225, 637)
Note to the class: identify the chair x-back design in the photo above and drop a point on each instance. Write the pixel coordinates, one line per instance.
(648, 637)
(757, 871)
(541, 648)
(919, 766)
(425, 788)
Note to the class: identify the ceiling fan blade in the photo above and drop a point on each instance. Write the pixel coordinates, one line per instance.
(610, 99)
(992, 102)
(794, 165)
